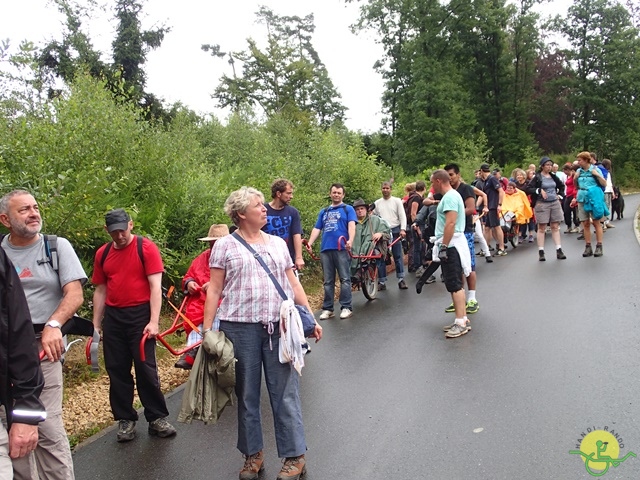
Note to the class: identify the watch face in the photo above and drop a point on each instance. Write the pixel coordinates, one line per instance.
(53, 323)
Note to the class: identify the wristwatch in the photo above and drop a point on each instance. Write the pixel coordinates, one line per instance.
(53, 324)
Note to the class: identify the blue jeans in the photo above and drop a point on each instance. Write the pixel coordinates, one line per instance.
(252, 350)
(397, 258)
(333, 260)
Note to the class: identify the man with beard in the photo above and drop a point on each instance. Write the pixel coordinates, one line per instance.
(283, 220)
(53, 287)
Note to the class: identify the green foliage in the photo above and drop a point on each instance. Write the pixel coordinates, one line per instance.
(286, 77)
(84, 153)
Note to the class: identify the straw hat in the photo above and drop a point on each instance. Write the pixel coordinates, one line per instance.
(216, 232)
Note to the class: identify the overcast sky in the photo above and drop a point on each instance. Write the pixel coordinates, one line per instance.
(180, 71)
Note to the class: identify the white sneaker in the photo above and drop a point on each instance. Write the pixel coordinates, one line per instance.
(326, 314)
(345, 313)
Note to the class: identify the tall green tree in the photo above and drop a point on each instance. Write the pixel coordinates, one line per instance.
(130, 48)
(285, 77)
(604, 52)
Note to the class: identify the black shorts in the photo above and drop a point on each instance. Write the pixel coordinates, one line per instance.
(492, 219)
(452, 271)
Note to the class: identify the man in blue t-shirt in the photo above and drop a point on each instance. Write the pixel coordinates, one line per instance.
(283, 220)
(335, 221)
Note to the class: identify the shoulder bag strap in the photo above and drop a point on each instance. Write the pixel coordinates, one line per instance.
(257, 256)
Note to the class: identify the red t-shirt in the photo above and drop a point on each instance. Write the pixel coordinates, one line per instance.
(124, 275)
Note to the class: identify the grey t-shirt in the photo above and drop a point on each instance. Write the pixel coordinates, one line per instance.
(42, 285)
(549, 186)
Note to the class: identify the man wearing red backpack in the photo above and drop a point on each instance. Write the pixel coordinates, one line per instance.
(127, 274)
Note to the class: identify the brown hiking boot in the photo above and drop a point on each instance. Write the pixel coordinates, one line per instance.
(598, 251)
(293, 468)
(587, 251)
(253, 465)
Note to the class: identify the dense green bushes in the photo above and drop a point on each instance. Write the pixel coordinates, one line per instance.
(84, 153)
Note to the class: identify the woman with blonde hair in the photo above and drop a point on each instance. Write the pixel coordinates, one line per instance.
(250, 316)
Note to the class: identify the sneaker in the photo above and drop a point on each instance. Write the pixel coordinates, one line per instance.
(457, 331)
(346, 313)
(541, 256)
(449, 327)
(442, 277)
(326, 314)
(580, 237)
(530, 238)
(431, 279)
(161, 428)
(587, 251)
(381, 287)
(488, 259)
(186, 360)
(568, 230)
(402, 285)
(472, 306)
(610, 225)
(419, 272)
(253, 465)
(450, 309)
(126, 430)
(293, 468)
(501, 253)
(575, 230)
(598, 251)
(560, 254)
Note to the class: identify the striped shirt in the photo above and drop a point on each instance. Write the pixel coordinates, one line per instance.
(248, 294)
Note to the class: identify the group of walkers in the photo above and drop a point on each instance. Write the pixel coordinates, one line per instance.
(231, 289)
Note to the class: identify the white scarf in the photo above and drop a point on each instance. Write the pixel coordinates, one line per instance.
(291, 336)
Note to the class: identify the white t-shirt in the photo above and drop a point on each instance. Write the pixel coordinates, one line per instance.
(392, 211)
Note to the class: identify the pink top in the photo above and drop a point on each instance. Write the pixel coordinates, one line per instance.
(248, 294)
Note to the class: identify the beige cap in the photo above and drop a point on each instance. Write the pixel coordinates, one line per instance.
(216, 232)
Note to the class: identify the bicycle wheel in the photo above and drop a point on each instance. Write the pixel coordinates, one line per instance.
(370, 282)
(513, 238)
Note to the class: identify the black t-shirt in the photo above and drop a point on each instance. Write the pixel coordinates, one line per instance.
(465, 192)
(492, 189)
(414, 198)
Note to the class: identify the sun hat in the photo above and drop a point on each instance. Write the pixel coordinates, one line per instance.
(217, 231)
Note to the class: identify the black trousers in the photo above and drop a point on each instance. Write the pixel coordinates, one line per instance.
(570, 212)
(122, 330)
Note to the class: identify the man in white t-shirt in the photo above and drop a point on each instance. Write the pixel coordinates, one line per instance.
(391, 210)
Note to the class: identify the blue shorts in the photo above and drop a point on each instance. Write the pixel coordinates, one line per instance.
(472, 250)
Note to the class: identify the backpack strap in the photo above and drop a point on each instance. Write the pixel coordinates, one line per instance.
(105, 253)
(51, 250)
(139, 241)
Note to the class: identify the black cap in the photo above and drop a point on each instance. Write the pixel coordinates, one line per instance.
(117, 219)
(485, 167)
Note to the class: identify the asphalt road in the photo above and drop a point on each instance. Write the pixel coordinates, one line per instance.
(553, 352)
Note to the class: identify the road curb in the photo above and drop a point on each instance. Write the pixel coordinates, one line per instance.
(636, 220)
